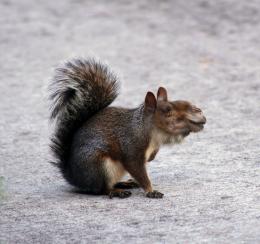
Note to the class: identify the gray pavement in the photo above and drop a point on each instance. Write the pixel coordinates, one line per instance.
(207, 52)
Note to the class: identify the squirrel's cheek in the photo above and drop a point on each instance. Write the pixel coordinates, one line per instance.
(171, 127)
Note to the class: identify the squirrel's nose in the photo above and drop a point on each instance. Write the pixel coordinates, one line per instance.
(203, 120)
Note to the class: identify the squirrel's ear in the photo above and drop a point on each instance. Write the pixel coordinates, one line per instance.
(150, 102)
(162, 94)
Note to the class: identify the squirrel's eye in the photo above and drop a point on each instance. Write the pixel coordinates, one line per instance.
(167, 109)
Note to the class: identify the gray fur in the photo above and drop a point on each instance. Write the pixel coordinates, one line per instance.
(79, 89)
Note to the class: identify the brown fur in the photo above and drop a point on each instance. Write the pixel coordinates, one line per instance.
(95, 145)
(172, 121)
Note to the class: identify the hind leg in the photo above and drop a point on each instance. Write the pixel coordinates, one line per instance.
(114, 172)
(129, 184)
(118, 190)
(86, 170)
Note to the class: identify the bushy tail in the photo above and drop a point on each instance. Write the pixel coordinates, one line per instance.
(79, 90)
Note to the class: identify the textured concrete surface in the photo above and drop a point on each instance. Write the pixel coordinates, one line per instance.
(203, 51)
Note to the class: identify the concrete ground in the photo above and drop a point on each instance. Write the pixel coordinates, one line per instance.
(203, 51)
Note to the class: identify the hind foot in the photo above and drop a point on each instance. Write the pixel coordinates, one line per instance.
(130, 184)
(119, 193)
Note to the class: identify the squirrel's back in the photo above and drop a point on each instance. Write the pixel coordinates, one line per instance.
(80, 89)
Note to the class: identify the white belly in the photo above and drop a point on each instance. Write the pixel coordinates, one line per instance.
(114, 170)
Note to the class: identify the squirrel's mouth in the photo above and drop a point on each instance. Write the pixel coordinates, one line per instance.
(196, 126)
(186, 132)
(196, 121)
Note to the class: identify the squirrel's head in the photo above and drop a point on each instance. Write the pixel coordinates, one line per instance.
(174, 117)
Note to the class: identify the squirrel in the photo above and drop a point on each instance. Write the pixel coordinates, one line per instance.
(95, 145)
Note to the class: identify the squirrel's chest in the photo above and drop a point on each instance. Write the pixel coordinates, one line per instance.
(151, 152)
(156, 140)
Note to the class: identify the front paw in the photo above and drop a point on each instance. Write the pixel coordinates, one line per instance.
(154, 194)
